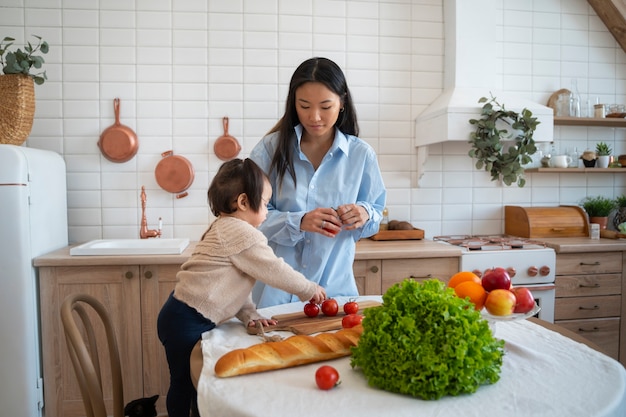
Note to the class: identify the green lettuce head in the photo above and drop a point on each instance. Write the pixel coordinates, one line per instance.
(426, 342)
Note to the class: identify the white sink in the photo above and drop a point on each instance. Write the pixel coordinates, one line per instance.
(122, 247)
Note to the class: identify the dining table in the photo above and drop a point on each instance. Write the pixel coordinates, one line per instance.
(544, 373)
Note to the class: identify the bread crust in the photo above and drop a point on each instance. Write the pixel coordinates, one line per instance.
(293, 351)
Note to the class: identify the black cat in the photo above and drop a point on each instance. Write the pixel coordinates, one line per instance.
(143, 407)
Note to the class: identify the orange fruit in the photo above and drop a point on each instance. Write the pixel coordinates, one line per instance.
(463, 276)
(472, 290)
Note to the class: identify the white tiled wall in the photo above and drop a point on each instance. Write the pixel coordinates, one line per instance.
(179, 66)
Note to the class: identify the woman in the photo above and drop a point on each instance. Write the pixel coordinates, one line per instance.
(328, 191)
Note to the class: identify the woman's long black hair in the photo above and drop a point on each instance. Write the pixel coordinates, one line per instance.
(324, 71)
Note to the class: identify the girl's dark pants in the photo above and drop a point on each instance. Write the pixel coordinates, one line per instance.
(180, 327)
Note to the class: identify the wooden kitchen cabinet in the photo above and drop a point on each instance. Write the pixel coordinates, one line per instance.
(589, 297)
(374, 277)
(133, 294)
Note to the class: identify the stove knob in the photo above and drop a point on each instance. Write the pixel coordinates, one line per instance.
(533, 271)
(511, 271)
(544, 271)
(478, 273)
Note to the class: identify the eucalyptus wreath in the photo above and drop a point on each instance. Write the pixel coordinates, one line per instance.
(489, 138)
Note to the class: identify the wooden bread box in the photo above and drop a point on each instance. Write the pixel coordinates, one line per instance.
(536, 222)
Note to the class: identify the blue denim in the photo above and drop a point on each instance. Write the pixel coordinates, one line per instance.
(180, 327)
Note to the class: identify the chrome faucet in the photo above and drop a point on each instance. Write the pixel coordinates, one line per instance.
(144, 232)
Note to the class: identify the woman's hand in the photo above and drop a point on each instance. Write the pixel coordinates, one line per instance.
(264, 322)
(322, 220)
(352, 216)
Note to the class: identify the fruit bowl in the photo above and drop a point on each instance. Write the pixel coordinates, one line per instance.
(511, 317)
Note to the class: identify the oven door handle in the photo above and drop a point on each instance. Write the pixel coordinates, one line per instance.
(540, 287)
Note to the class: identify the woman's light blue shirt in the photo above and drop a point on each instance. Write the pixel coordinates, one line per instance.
(349, 173)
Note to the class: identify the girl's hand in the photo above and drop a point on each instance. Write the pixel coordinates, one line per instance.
(319, 296)
(264, 322)
(352, 216)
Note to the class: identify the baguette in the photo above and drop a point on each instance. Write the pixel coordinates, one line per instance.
(293, 351)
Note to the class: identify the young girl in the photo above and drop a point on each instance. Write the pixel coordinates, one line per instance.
(214, 285)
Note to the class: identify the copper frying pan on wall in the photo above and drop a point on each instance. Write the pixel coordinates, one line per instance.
(118, 143)
(226, 147)
(174, 173)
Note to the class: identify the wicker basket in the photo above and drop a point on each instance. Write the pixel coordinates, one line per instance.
(17, 108)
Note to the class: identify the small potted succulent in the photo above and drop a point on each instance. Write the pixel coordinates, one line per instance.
(599, 208)
(604, 154)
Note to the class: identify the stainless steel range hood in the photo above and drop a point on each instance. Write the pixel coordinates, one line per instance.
(469, 74)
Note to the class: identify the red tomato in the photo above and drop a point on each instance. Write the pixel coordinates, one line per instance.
(326, 377)
(351, 320)
(330, 307)
(351, 307)
(311, 309)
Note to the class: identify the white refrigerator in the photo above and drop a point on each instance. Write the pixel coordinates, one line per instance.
(33, 221)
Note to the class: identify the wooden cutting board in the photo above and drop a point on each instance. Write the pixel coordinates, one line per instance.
(299, 323)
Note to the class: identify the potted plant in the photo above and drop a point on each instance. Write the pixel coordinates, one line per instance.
(620, 214)
(489, 139)
(604, 154)
(598, 208)
(17, 88)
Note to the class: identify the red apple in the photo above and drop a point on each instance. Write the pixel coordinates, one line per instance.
(496, 279)
(500, 302)
(525, 300)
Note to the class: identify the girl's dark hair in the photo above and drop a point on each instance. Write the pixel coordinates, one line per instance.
(321, 70)
(235, 177)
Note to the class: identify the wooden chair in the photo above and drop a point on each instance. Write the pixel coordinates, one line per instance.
(85, 357)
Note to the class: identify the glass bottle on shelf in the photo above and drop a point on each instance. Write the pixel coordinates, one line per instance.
(574, 108)
(384, 223)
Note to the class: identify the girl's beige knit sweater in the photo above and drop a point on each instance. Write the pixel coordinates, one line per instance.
(217, 279)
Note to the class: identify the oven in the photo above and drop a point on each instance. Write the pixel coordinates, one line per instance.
(530, 263)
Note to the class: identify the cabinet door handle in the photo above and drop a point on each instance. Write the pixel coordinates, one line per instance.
(596, 263)
(424, 276)
(147, 274)
(589, 308)
(595, 329)
(596, 285)
(374, 269)
(128, 274)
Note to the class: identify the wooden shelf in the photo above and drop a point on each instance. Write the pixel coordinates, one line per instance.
(578, 170)
(590, 121)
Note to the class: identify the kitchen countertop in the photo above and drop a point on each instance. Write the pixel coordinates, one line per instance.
(365, 249)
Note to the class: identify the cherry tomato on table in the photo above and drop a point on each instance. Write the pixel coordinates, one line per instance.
(326, 377)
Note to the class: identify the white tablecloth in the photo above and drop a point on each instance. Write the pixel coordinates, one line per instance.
(544, 374)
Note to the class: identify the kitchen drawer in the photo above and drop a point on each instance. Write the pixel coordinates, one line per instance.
(588, 285)
(587, 307)
(602, 332)
(397, 270)
(588, 263)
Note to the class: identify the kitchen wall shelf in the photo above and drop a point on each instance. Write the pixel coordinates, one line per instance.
(578, 170)
(590, 121)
